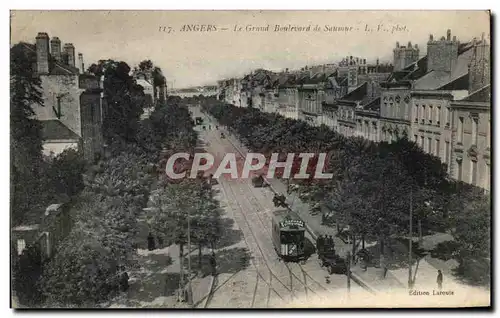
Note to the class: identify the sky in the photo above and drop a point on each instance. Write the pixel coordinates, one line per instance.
(192, 58)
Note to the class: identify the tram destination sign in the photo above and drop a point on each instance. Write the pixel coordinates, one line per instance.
(292, 223)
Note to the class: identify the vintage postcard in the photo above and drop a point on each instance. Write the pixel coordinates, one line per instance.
(250, 159)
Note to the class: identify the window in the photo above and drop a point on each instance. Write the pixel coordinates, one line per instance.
(486, 176)
(474, 130)
(488, 134)
(415, 138)
(447, 152)
(21, 245)
(473, 172)
(423, 114)
(460, 129)
(438, 115)
(437, 150)
(459, 170)
(415, 113)
(448, 116)
(422, 142)
(430, 114)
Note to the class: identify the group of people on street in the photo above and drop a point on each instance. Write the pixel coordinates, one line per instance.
(210, 127)
(325, 243)
(152, 242)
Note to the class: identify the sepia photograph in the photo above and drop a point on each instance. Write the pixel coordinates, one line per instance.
(250, 159)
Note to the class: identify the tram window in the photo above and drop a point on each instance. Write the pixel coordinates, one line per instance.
(290, 237)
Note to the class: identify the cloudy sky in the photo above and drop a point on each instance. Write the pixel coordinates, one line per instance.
(198, 58)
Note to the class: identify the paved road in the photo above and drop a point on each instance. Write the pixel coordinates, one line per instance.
(268, 282)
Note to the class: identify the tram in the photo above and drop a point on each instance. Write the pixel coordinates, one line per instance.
(288, 235)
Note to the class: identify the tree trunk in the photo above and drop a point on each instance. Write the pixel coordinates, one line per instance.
(353, 247)
(181, 255)
(199, 257)
(363, 242)
(381, 243)
(419, 231)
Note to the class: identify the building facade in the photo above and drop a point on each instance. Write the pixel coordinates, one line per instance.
(471, 122)
(72, 113)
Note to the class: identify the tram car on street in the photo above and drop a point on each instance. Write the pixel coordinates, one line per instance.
(288, 235)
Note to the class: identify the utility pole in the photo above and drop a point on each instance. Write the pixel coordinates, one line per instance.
(348, 273)
(190, 291)
(411, 239)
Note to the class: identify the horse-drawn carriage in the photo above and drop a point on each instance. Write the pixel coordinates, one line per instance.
(328, 258)
(279, 200)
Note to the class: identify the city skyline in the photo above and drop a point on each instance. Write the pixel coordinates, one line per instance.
(197, 58)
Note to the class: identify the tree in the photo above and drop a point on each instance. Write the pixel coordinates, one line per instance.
(82, 273)
(25, 132)
(124, 99)
(145, 65)
(174, 204)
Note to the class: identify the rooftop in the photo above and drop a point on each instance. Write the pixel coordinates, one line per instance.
(481, 95)
(57, 68)
(54, 129)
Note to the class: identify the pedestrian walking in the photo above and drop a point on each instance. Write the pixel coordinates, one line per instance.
(151, 242)
(383, 264)
(160, 242)
(213, 263)
(440, 280)
(123, 279)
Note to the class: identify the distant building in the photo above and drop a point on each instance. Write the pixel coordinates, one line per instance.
(405, 55)
(72, 113)
(145, 82)
(433, 92)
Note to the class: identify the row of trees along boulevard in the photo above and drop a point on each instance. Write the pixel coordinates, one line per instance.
(375, 185)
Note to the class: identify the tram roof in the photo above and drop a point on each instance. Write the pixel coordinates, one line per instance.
(283, 215)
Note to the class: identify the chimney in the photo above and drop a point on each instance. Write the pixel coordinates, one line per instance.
(416, 46)
(55, 48)
(42, 53)
(397, 44)
(80, 63)
(431, 37)
(69, 49)
(448, 35)
(409, 45)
